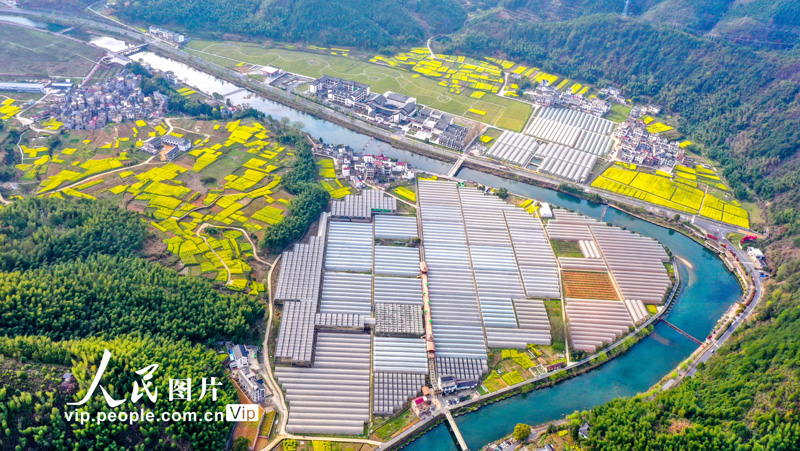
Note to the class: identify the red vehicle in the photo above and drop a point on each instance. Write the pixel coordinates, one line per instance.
(748, 238)
(712, 237)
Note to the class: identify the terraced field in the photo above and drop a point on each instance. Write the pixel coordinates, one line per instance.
(230, 179)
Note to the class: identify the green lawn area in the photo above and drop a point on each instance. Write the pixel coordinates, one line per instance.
(566, 249)
(502, 112)
(618, 113)
(33, 53)
(395, 424)
(756, 214)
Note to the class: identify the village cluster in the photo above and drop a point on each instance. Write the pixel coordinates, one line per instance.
(638, 143)
(394, 110)
(547, 95)
(360, 169)
(116, 100)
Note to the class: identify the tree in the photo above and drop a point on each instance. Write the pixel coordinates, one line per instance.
(502, 193)
(241, 444)
(521, 432)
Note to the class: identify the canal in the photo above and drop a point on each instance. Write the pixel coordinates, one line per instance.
(708, 288)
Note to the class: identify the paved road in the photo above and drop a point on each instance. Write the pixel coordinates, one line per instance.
(750, 271)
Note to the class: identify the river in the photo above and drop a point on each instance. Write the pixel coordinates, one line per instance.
(708, 289)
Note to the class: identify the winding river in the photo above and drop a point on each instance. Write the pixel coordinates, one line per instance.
(708, 288)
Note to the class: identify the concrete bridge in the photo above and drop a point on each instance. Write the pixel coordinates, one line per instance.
(131, 50)
(457, 166)
(454, 427)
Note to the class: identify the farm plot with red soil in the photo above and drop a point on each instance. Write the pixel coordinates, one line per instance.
(589, 285)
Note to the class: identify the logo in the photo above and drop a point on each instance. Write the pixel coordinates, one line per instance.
(144, 385)
(178, 388)
(241, 412)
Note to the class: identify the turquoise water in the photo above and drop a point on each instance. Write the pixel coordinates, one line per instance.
(708, 289)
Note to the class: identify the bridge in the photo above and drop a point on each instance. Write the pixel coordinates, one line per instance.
(131, 50)
(685, 334)
(457, 166)
(454, 428)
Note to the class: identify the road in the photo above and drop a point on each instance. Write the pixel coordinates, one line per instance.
(751, 272)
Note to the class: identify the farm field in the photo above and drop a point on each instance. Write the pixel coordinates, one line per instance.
(200, 204)
(566, 249)
(589, 285)
(618, 113)
(682, 192)
(29, 52)
(499, 111)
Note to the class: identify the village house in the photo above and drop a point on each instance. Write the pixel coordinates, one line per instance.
(338, 90)
(252, 385)
(421, 406)
(239, 357)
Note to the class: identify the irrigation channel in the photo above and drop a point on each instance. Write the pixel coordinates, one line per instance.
(708, 288)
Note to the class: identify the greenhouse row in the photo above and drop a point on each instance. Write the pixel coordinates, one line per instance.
(514, 148)
(327, 384)
(594, 323)
(566, 162)
(332, 397)
(578, 119)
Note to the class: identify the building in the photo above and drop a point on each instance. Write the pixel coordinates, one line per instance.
(182, 144)
(447, 384)
(61, 86)
(584, 430)
(270, 71)
(454, 136)
(421, 406)
(168, 35)
(390, 107)
(545, 212)
(252, 385)
(21, 87)
(339, 90)
(431, 120)
(555, 366)
(239, 357)
(152, 145)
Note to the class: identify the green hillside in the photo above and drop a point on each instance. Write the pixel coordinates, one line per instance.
(364, 23)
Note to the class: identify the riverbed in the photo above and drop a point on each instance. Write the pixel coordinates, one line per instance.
(708, 289)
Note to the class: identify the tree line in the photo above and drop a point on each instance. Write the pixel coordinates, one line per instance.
(310, 198)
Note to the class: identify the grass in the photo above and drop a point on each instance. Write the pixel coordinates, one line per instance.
(618, 113)
(33, 53)
(566, 249)
(501, 112)
(395, 424)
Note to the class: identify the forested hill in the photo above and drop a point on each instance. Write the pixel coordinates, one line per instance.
(364, 23)
(742, 104)
(72, 270)
(745, 399)
(762, 23)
